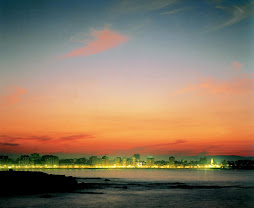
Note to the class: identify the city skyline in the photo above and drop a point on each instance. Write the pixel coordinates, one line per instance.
(37, 161)
(166, 77)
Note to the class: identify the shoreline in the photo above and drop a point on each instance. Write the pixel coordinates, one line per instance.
(110, 168)
(120, 168)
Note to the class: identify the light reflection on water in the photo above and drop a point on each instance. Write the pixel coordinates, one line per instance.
(156, 194)
(172, 175)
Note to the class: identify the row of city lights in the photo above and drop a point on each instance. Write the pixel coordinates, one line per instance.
(114, 166)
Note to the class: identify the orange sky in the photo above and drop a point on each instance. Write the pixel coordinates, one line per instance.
(124, 77)
(213, 117)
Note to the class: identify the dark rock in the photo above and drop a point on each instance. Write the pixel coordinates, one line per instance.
(25, 182)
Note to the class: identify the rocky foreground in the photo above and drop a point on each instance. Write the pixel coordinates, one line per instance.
(25, 182)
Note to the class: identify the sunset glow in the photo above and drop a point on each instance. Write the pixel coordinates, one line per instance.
(162, 78)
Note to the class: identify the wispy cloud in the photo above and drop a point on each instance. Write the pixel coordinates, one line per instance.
(102, 40)
(56, 143)
(213, 86)
(43, 139)
(178, 141)
(13, 97)
(7, 138)
(129, 6)
(175, 11)
(154, 147)
(77, 137)
(8, 144)
(242, 84)
(238, 13)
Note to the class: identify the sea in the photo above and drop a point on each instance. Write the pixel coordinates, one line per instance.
(147, 188)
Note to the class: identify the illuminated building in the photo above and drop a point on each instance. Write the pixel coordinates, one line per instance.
(35, 158)
(50, 160)
(118, 161)
(93, 160)
(203, 160)
(66, 162)
(150, 161)
(81, 161)
(171, 160)
(24, 160)
(124, 162)
(161, 163)
(128, 161)
(105, 161)
(99, 161)
(4, 160)
(137, 156)
(133, 161)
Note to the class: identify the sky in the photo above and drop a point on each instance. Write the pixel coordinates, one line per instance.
(155, 77)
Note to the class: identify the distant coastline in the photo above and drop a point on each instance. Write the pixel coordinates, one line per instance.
(127, 168)
(35, 161)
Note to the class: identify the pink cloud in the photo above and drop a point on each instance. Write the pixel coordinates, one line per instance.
(44, 143)
(102, 40)
(240, 85)
(14, 97)
(236, 66)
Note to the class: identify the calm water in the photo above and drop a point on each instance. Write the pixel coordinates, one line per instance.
(150, 188)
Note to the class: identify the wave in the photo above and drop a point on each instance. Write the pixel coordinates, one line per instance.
(104, 184)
